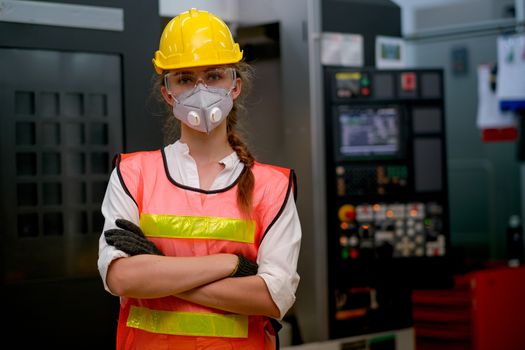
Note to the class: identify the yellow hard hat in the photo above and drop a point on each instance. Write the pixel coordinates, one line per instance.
(195, 39)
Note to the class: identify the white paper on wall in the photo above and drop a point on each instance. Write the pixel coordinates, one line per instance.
(490, 116)
(511, 69)
(340, 49)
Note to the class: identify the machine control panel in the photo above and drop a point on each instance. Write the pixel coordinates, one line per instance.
(371, 179)
(391, 230)
(352, 84)
(387, 195)
(386, 160)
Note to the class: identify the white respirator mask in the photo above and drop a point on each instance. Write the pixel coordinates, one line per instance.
(203, 108)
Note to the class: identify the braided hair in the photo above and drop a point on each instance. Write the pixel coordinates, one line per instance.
(247, 180)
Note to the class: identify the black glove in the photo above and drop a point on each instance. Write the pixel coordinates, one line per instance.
(244, 267)
(130, 239)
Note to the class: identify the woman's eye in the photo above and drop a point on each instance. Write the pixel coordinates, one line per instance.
(184, 80)
(214, 76)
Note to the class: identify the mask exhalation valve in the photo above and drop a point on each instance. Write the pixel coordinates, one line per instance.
(215, 114)
(194, 118)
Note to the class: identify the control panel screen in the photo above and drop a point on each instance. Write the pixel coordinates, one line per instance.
(369, 131)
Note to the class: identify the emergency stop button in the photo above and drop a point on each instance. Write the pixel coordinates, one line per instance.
(408, 81)
(347, 213)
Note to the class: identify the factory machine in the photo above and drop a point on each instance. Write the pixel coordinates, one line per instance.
(387, 200)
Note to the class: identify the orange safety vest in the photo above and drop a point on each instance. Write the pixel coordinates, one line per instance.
(186, 221)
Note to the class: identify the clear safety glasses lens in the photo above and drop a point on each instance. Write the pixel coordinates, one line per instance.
(182, 81)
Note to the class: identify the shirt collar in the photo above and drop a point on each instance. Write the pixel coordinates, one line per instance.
(229, 162)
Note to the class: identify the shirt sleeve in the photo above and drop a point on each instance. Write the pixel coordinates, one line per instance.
(116, 204)
(278, 255)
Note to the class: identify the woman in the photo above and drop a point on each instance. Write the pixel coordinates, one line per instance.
(200, 241)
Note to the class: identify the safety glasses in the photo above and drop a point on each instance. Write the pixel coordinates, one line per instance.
(181, 81)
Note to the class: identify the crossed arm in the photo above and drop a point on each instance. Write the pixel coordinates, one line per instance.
(202, 280)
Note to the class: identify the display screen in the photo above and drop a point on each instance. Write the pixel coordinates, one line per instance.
(369, 131)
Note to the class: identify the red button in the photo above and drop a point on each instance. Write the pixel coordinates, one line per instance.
(408, 81)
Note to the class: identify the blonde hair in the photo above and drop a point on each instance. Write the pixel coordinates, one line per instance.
(171, 132)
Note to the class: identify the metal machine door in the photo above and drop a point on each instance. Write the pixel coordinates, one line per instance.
(60, 125)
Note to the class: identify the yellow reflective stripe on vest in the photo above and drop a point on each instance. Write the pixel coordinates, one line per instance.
(200, 227)
(188, 323)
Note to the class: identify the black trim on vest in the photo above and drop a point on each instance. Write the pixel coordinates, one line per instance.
(276, 328)
(290, 186)
(189, 188)
(294, 180)
(117, 160)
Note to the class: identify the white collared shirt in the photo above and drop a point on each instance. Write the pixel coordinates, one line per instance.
(278, 252)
